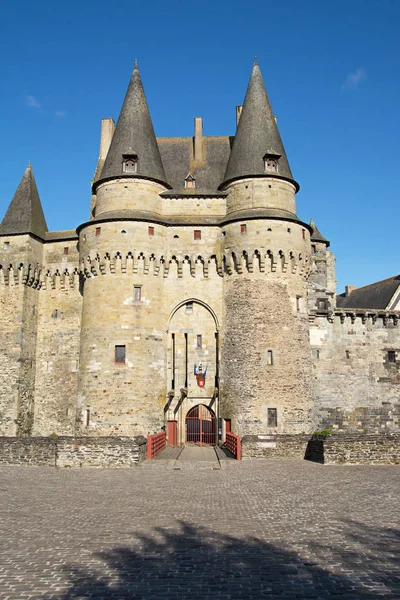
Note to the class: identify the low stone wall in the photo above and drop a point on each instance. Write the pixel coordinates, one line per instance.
(274, 446)
(73, 451)
(362, 449)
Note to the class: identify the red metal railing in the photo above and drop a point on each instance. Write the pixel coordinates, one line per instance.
(233, 444)
(156, 443)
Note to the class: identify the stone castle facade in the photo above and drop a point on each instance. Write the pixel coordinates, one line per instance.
(193, 294)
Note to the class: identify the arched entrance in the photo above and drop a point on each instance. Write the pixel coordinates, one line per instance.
(200, 425)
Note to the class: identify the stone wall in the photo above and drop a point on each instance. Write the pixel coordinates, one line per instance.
(357, 449)
(355, 386)
(274, 446)
(72, 451)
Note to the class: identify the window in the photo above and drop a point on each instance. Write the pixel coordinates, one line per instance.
(303, 233)
(270, 165)
(6, 245)
(66, 250)
(120, 354)
(391, 356)
(199, 341)
(289, 230)
(137, 293)
(197, 234)
(129, 163)
(98, 231)
(322, 304)
(272, 417)
(190, 182)
(316, 354)
(313, 248)
(87, 417)
(243, 228)
(298, 303)
(151, 230)
(189, 308)
(347, 354)
(270, 359)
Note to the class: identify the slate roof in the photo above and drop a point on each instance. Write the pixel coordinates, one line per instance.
(375, 296)
(317, 236)
(257, 135)
(25, 213)
(134, 134)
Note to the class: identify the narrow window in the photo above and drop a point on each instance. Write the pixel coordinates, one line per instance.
(66, 250)
(270, 358)
(6, 245)
(347, 354)
(243, 228)
(303, 232)
(189, 308)
(87, 417)
(199, 342)
(289, 230)
(151, 230)
(391, 356)
(313, 248)
(197, 234)
(55, 314)
(137, 293)
(298, 303)
(98, 231)
(173, 362)
(316, 354)
(272, 417)
(120, 354)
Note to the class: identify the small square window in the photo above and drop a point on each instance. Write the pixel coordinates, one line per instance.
(199, 341)
(137, 293)
(189, 308)
(120, 354)
(197, 234)
(243, 228)
(66, 250)
(129, 163)
(270, 358)
(272, 417)
(151, 230)
(313, 248)
(6, 245)
(98, 231)
(391, 356)
(322, 304)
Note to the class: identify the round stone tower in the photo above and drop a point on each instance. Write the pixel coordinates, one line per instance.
(122, 369)
(265, 355)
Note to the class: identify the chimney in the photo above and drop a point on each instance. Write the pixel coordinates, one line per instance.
(349, 289)
(198, 138)
(107, 132)
(238, 113)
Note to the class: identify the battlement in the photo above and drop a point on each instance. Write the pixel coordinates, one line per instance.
(39, 277)
(248, 260)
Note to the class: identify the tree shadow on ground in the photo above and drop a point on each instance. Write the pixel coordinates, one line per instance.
(191, 562)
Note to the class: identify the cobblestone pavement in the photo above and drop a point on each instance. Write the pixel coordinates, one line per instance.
(256, 529)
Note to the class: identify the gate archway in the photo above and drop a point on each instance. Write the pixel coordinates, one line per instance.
(200, 426)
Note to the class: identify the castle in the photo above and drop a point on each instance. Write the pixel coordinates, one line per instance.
(193, 299)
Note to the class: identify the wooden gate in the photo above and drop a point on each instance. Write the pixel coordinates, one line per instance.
(200, 426)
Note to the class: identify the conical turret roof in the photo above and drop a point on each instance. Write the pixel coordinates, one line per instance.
(25, 213)
(134, 135)
(257, 135)
(316, 235)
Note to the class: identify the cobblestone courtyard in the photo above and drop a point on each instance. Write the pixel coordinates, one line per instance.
(256, 529)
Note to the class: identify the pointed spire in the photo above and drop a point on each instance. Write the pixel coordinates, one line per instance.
(134, 135)
(25, 213)
(317, 236)
(257, 135)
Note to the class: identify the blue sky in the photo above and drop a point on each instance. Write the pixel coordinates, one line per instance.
(332, 72)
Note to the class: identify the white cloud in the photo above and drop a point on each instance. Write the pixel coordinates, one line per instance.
(60, 113)
(32, 102)
(354, 79)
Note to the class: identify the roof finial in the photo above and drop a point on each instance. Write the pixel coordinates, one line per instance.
(135, 66)
(29, 164)
(255, 61)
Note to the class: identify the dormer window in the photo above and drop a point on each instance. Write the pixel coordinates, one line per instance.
(129, 163)
(271, 163)
(190, 182)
